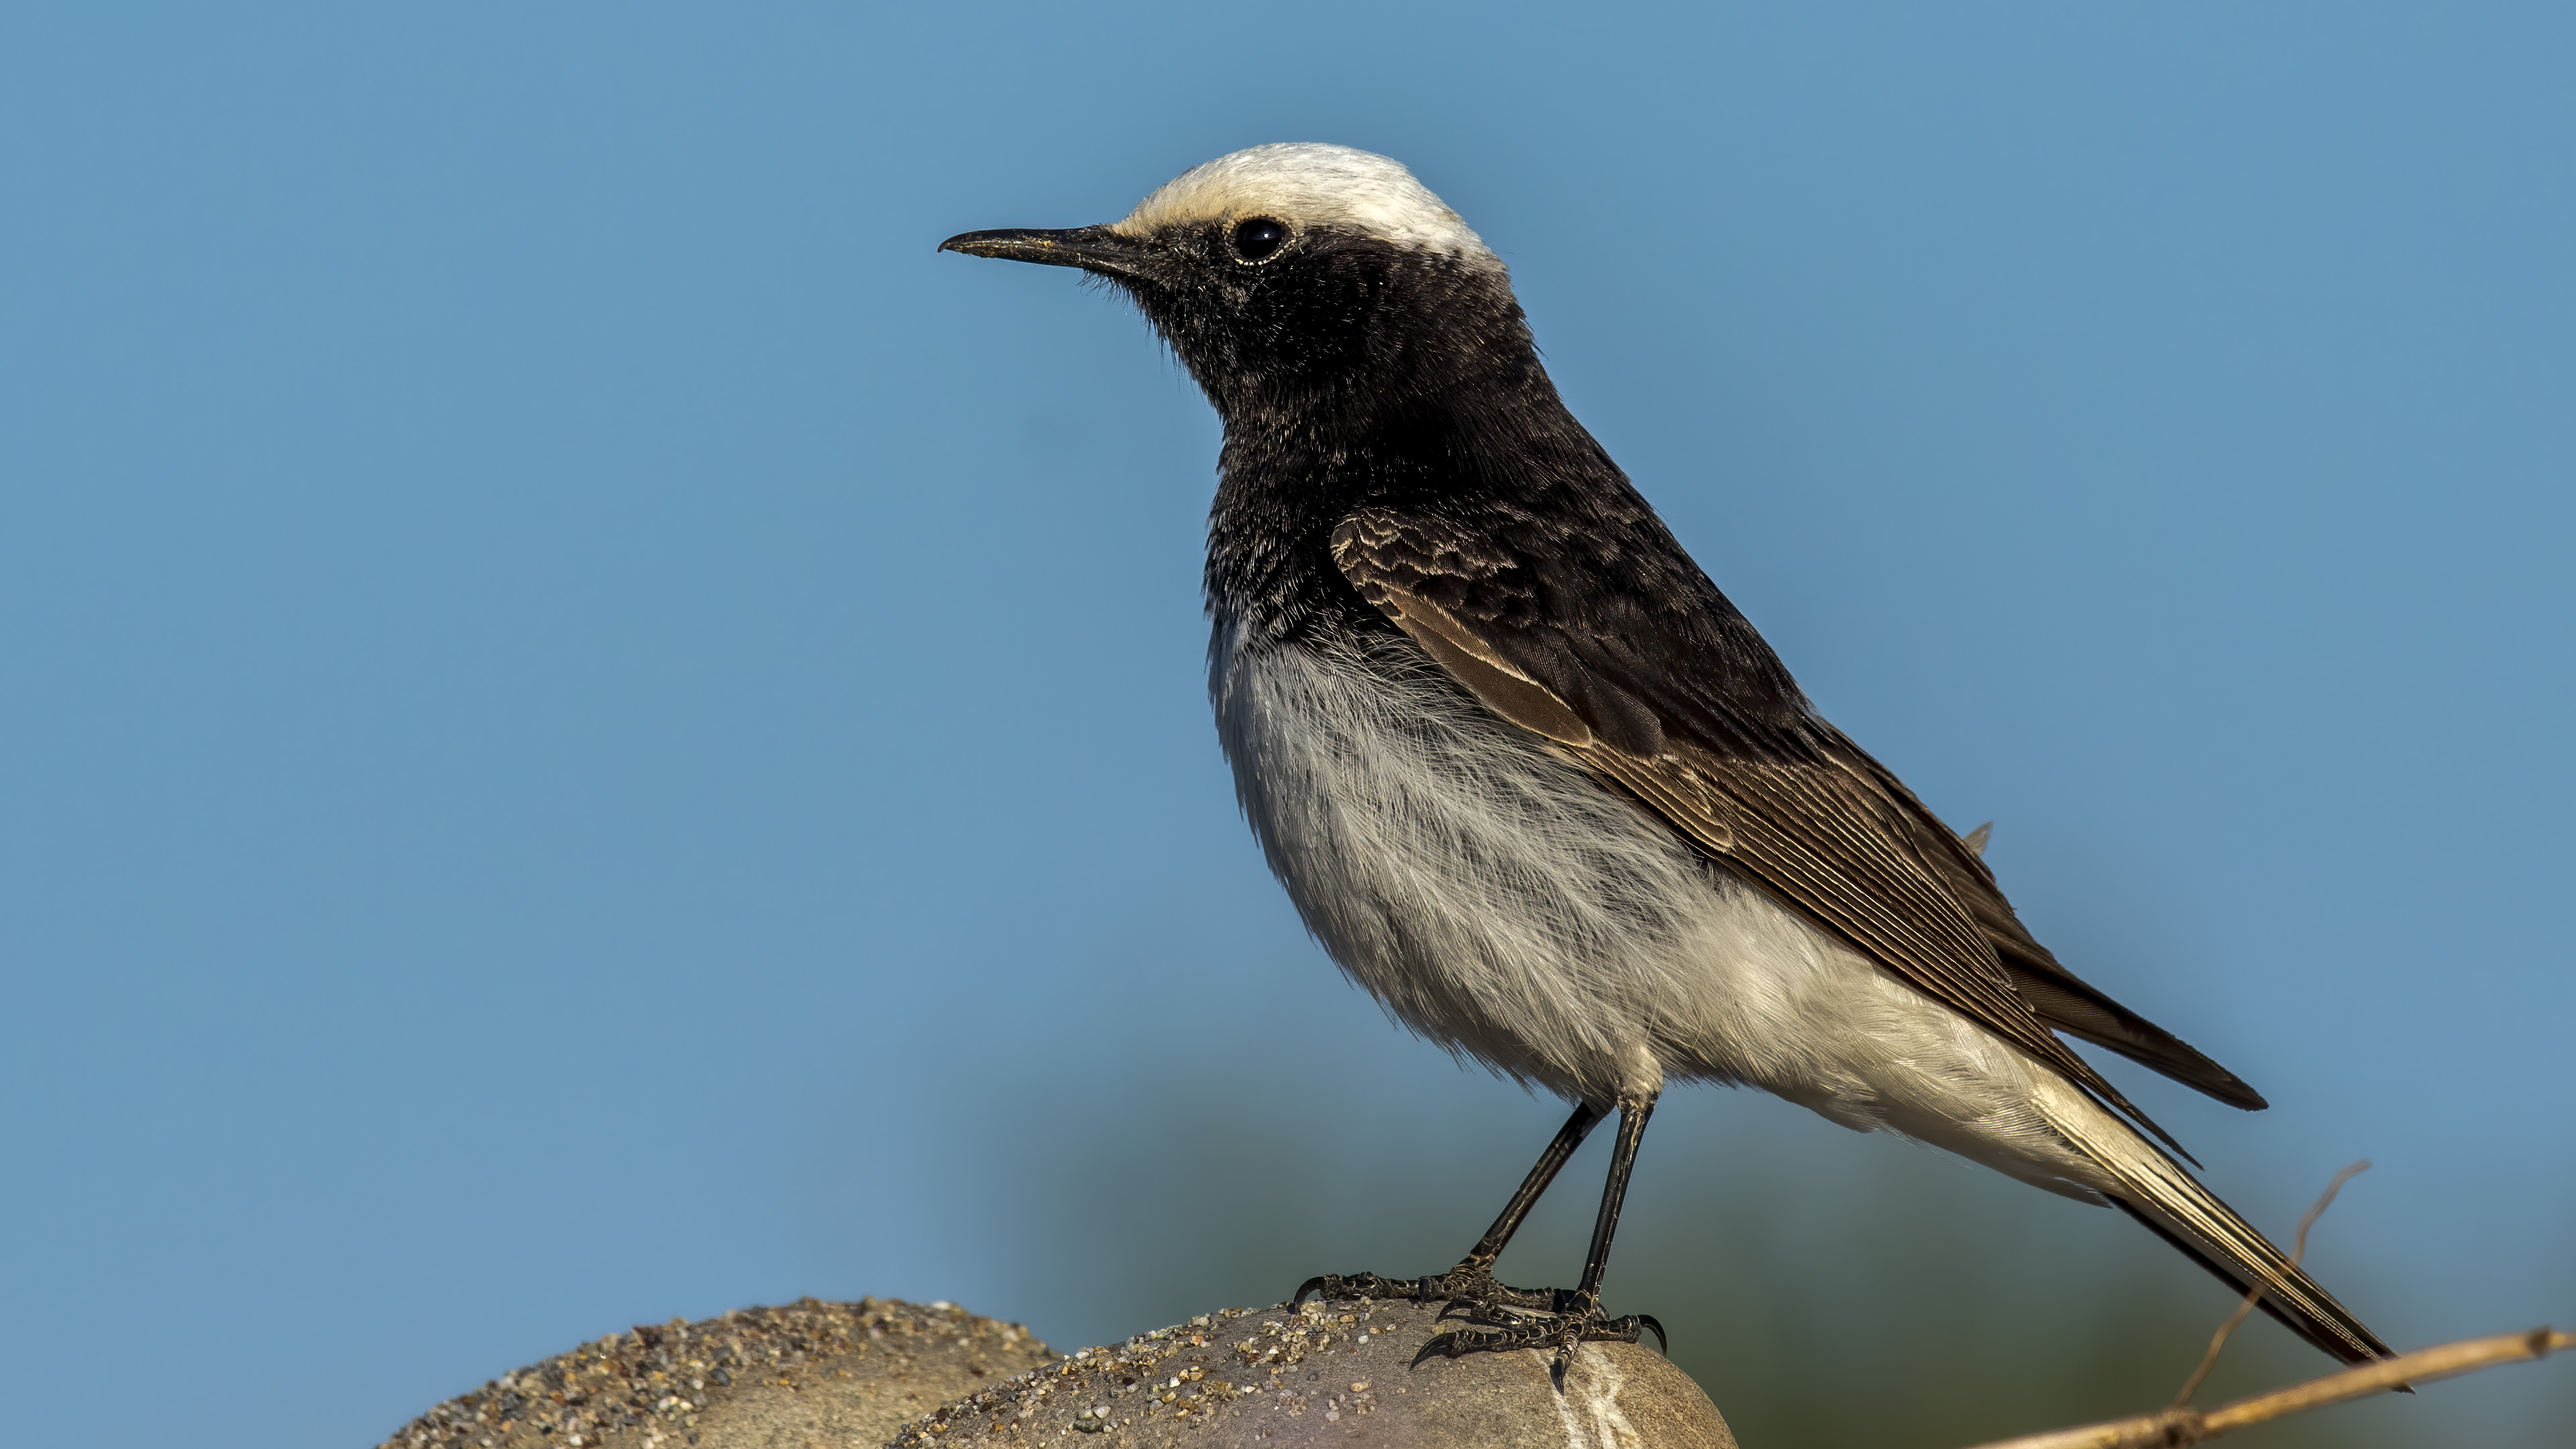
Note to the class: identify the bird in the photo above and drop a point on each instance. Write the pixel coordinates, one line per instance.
(1543, 791)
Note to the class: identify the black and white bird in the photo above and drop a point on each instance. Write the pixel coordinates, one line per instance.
(1542, 790)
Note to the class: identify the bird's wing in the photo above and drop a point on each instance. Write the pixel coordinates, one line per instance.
(1654, 683)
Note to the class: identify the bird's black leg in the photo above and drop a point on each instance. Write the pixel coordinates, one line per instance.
(1472, 1281)
(1577, 1316)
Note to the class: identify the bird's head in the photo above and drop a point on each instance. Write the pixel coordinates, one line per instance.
(1290, 274)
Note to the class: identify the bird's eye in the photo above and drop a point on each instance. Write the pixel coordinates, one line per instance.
(1257, 238)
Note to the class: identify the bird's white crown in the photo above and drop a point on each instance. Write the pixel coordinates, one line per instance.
(1310, 183)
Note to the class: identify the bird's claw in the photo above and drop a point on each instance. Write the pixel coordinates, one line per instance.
(1328, 1286)
(1467, 1285)
(1559, 1331)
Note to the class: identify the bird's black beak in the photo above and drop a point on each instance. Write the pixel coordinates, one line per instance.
(1092, 248)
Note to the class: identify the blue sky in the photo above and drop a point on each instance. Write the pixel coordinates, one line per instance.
(593, 732)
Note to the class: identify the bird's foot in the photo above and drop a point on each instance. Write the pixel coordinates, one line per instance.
(1470, 1284)
(1575, 1321)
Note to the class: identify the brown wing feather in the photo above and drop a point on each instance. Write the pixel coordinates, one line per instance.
(1830, 833)
(2063, 1000)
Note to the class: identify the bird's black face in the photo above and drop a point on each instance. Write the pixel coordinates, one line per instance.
(1271, 314)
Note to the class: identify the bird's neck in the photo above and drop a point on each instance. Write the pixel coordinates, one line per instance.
(1471, 427)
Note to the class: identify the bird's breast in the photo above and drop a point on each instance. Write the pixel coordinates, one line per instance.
(1489, 891)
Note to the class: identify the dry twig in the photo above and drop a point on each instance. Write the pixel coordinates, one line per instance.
(2254, 1295)
(2176, 1427)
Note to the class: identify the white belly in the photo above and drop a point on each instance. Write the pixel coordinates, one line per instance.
(1502, 902)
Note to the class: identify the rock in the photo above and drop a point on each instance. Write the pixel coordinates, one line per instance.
(853, 1375)
(1340, 1374)
(759, 1378)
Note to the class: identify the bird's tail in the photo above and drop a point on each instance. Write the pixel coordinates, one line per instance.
(2151, 1187)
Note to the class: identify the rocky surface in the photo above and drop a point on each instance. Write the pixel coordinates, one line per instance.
(1339, 1374)
(817, 1375)
(808, 1374)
